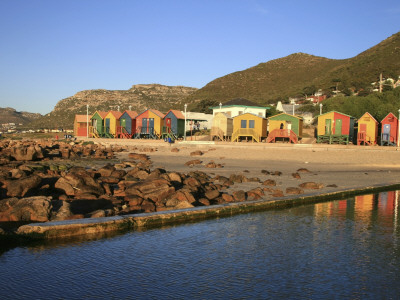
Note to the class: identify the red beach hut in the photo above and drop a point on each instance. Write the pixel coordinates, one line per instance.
(390, 130)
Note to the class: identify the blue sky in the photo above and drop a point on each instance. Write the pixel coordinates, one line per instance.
(52, 49)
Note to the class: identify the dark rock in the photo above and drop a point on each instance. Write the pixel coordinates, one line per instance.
(294, 191)
(31, 209)
(311, 185)
(22, 187)
(193, 162)
(269, 182)
(196, 153)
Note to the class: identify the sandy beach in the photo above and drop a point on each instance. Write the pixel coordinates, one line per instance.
(337, 167)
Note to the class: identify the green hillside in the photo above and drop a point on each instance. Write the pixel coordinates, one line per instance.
(293, 75)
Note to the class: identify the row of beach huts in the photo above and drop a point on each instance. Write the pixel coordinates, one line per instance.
(236, 120)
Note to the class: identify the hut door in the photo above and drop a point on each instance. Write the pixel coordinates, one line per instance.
(363, 127)
(168, 124)
(328, 126)
(108, 125)
(144, 125)
(386, 132)
(151, 125)
(123, 123)
(338, 127)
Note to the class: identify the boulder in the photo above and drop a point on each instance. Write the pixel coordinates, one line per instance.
(269, 182)
(212, 194)
(311, 185)
(294, 191)
(196, 153)
(239, 196)
(22, 187)
(193, 162)
(30, 209)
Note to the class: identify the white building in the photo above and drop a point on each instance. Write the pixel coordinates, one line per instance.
(240, 106)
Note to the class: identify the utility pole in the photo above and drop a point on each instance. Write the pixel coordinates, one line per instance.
(380, 83)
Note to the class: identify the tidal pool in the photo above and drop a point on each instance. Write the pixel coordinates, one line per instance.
(340, 249)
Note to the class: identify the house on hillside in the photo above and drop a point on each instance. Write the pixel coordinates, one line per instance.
(240, 106)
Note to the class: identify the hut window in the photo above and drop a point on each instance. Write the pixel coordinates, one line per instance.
(243, 124)
(251, 123)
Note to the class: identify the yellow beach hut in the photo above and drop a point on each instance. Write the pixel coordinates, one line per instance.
(367, 130)
(222, 127)
(111, 123)
(249, 125)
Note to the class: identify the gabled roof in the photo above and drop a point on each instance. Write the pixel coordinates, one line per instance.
(102, 114)
(178, 114)
(333, 111)
(388, 116)
(131, 113)
(248, 114)
(81, 118)
(367, 113)
(300, 118)
(154, 111)
(116, 114)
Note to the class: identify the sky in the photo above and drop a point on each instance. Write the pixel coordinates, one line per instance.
(52, 49)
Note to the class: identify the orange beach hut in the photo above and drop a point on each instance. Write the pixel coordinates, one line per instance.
(149, 124)
(80, 125)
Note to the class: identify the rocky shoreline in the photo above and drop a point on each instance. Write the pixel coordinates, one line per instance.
(83, 183)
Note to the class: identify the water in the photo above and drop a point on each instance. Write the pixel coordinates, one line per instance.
(334, 250)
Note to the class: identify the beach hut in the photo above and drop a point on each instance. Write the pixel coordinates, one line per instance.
(222, 127)
(96, 129)
(367, 130)
(127, 124)
(149, 124)
(335, 127)
(111, 122)
(174, 124)
(80, 125)
(389, 130)
(249, 125)
(285, 127)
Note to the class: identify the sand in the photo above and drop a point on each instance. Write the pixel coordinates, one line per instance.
(336, 167)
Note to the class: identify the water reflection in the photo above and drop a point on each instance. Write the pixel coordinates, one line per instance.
(340, 249)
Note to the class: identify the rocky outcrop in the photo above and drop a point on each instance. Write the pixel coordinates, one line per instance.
(31, 209)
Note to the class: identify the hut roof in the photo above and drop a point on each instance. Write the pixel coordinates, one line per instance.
(333, 111)
(102, 114)
(158, 113)
(81, 118)
(116, 114)
(272, 117)
(388, 116)
(131, 113)
(178, 114)
(369, 115)
(242, 115)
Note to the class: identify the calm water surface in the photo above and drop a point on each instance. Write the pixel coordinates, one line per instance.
(347, 249)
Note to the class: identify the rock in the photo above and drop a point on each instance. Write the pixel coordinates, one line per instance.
(193, 162)
(85, 206)
(212, 194)
(269, 182)
(211, 164)
(227, 198)
(238, 178)
(148, 206)
(294, 191)
(196, 153)
(31, 209)
(175, 150)
(138, 156)
(106, 171)
(155, 190)
(25, 153)
(311, 185)
(296, 175)
(276, 173)
(175, 177)
(303, 170)
(204, 201)
(61, 210)
(265, 172)
(277, 193)
(332, 185)
(22, 187)
(239, 196)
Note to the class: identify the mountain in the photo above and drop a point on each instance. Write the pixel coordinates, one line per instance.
(10, 115)
(289, 76)
(138, 98)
